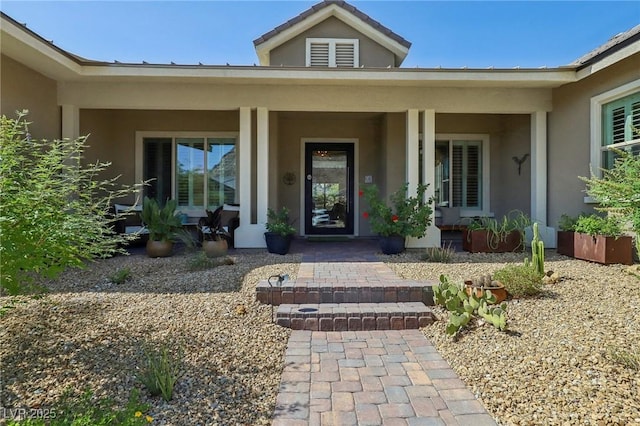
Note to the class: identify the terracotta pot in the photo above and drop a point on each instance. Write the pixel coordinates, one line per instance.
(499, 292)
(159, 248)
(215, 248)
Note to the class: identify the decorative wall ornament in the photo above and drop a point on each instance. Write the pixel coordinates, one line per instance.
(519, 161)
(289, 178)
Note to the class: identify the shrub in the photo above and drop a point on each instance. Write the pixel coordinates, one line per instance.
(439, 254)
(598, 225)
(161, 371)
(279, 222)
(629, 359)
(200, 261)
(120, 276)
(55, 211)
(520, 280)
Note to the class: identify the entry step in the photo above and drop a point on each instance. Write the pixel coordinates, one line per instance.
(354, 316)
(306, 292)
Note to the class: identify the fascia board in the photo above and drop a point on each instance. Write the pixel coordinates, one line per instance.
(333, 10)
(46, 59)
(609, 60)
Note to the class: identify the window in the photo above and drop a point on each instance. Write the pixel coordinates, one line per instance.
(198, 171)
(619, 119)
(325, 52)
(458, 174)
(614, 114)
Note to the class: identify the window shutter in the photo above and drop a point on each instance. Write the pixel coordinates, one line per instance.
(618, 119)
(345, 55)
(457, 167)
(473, 176)
(319, 53)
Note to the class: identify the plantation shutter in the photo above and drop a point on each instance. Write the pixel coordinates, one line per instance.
(466, 174)
(319, 54)
(473, 176)
(457, 168)
(157, 168)
(619, 120)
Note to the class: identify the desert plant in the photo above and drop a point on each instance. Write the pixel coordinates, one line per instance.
(567, 223)
(618, 190)
(537, 252)
(597, 225)
(442, 254)
(463, 307)
(161, 371)
(627, 358)
(520, 280)
(498, 230)
(55, 212)
(120, 276)
(279, 222)
(406, 217)
(162, 223)
(200, 261)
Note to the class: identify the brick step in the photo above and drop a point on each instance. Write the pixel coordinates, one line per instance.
(354, 316)
(344, 292)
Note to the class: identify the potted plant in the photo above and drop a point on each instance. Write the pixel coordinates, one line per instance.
(478, 287)
(566, 229)
(599, 239)
(405, 217)
(163, 225)
(489, 235)
(215, 240)
(279, 231)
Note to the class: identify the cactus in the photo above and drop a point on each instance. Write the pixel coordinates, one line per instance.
(537, 251)
(463, 307)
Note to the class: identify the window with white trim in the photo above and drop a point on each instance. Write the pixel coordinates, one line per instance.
(620, 128)
(331, 52)
(198, 171)
(461, 172)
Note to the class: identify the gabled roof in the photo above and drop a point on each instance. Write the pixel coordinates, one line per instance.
(321, 11)
(613, 45)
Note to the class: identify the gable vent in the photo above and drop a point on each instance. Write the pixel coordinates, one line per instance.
(329, 52)
(319, 53)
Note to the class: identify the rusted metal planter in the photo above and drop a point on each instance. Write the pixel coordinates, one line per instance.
(601, 249)
(565, 244)
(482, 242)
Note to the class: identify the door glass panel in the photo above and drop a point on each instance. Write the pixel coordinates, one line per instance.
(190, 172)
(157, 168)
(221, 165)
(329, 189)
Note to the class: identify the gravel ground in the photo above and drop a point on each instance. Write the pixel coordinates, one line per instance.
(554, 366)
(90, 332)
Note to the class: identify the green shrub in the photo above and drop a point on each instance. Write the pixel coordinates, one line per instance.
(161, 371)
(199, 261)
(279, 222)
(598, 225)
(120, 276)
(439, 254)
(567, 223)
(55, 211)
(520, 280)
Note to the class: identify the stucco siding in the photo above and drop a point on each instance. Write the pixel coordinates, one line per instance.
(293, 52)
(22, 88)
(569, 136)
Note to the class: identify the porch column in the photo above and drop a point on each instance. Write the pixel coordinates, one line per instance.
(432, 237)
(70, 122)
(539, 178)
(248, 235)
(263, 164)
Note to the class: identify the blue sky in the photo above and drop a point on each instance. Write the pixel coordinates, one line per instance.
(450, 34)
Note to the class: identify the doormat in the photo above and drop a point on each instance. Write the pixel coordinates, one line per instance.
(329, 239)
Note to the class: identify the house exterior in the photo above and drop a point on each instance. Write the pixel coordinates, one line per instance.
(328, 109)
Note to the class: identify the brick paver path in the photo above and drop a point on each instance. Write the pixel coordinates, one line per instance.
(367, 377)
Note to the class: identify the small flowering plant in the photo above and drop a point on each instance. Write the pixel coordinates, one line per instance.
(405, 216)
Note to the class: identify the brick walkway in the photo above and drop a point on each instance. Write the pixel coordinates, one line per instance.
(377, 377)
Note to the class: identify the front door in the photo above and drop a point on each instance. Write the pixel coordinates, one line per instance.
(329, 188)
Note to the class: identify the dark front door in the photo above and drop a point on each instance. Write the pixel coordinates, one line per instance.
(329, 188)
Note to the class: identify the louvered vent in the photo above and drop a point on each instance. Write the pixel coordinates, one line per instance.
(635, 119)
(345, 55)
(319, 54)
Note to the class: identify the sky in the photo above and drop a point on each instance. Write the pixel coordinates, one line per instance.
(448, 34)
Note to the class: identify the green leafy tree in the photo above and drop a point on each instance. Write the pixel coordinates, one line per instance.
(618, 190)
(54, 209)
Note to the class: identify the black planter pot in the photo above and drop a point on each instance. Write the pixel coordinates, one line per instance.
(392, 244)
(277, 243)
